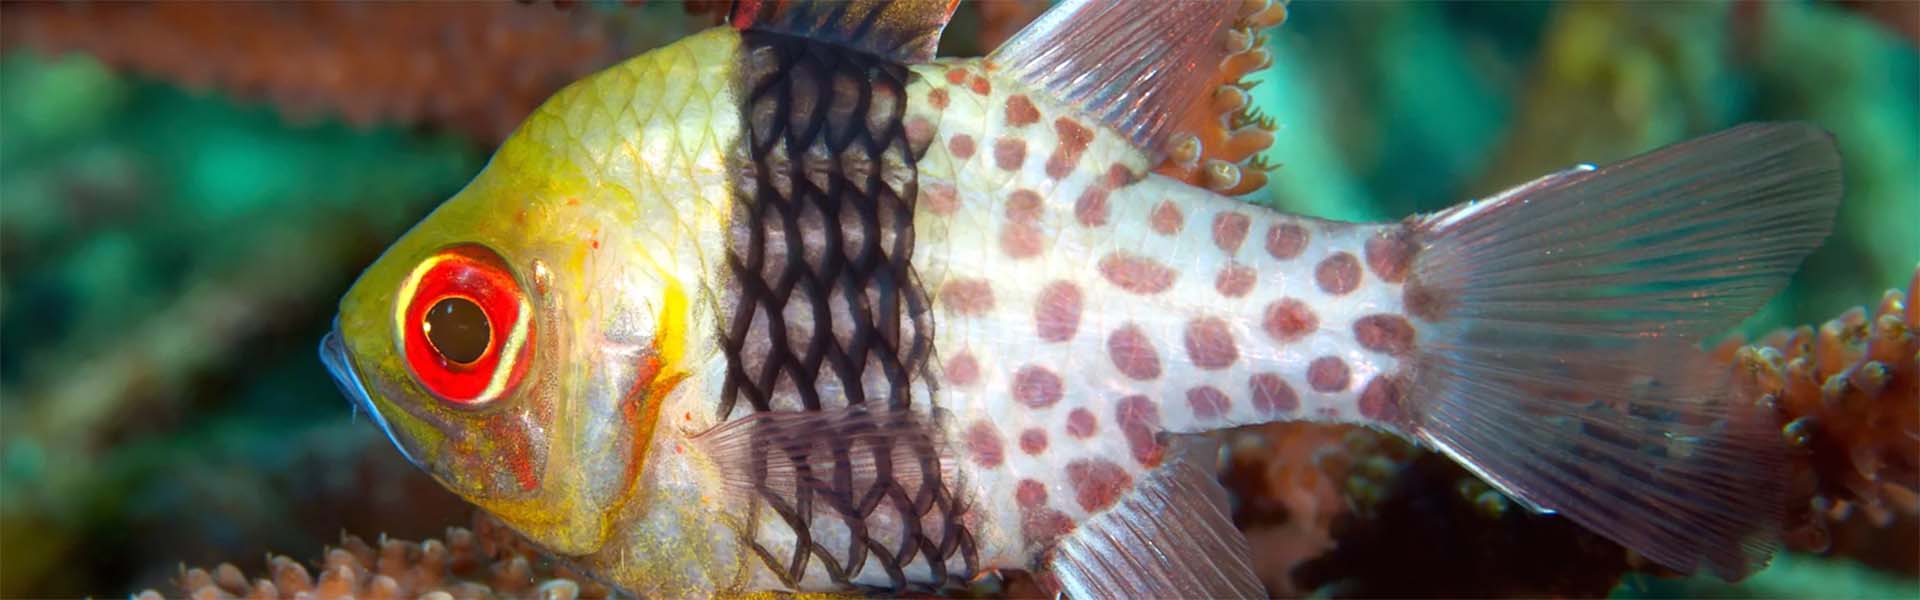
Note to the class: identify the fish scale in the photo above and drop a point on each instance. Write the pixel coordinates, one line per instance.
(1070, 286)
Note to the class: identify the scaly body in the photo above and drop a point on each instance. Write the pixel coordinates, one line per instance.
(791, 306)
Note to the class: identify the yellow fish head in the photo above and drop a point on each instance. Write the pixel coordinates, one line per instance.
(520, 342)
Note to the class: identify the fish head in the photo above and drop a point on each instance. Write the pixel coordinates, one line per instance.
(519, 343)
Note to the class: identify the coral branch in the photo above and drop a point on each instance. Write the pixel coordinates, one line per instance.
(486, 561)
(476, 67)
(1848, 397)
(1218, 141)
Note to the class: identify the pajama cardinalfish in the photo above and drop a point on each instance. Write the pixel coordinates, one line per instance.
(792, 305)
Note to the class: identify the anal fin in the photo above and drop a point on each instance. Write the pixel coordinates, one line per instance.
(1168, 538)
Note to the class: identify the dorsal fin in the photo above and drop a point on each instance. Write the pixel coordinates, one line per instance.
(1134, 65)
(905, 31)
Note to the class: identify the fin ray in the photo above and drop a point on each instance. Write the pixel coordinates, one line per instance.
(905, 31)
(1168, 538)
(1136, 66)
(1561, 362)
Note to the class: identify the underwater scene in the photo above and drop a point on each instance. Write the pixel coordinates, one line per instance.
(188, 190)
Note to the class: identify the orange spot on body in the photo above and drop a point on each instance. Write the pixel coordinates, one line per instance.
(1338, 274)
(1020, 111)
(1097, 483)
(1328, 374)
(1139, 420)
(1056, 313)
(1137, 274)
(1286, 240)
(1210, 343)
(1386, 334)
(1009, 153)
(1133, 354)
(1166, 218)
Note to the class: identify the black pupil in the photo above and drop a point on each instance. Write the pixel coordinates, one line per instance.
(458, 329)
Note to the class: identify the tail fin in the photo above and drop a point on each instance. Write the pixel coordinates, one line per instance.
(1563, 319)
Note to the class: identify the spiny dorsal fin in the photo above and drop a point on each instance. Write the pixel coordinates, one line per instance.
(1134, 65)
(905, 31)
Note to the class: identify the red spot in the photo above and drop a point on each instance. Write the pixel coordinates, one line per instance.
(1118, 176)
(1091, 208)
(967, 296)
(919, 133)
(1286, 240)
(980, 86)
(1289, 319)
(1022, 240)
(1056, 313)
(942, 199)
(1074, 138)
(1044, 526)
(1137, 274)
(1338, 274)
(1234, 281)
(1133, 353)
(1207, 402)
(1272, 395)
(1020, 111)
(1030, 494)
(1229, 230)
(1097, 483)
(1036, 387)
(1210, 343)
(1139, 420)
(960, 146)
(983, 444)
(1009, 153)
(1033, 442)
(938, 98)
(1426, 302)
(573, 202)
(1381, 400)
(594, 243)
(1081, 424)
(962, 369)
(1023, 205)
(1390, 253)
(956, 76)
(1386, 334)
(1166, 218)
(1328, 374)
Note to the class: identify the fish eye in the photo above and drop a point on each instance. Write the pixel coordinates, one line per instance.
(465, 325)
(458, 329)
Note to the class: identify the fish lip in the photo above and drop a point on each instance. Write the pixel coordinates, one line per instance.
(333, 354)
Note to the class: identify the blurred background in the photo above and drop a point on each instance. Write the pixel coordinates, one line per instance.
(186, 190)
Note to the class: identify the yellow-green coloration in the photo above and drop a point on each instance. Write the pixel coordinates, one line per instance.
(608, 206)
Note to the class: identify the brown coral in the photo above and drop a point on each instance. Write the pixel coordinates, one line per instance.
(1218, 142)
(476, 67)
(1847, 399)
(486, 561)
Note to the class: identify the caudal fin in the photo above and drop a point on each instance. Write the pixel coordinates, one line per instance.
(1563, 320)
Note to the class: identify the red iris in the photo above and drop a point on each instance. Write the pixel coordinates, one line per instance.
(465, 333)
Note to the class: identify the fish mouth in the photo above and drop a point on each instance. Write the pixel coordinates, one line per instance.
(333, 354)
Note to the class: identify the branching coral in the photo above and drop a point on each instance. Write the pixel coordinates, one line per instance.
(486, 561)
(476, 67)
(1848, 398)
(1218, 142)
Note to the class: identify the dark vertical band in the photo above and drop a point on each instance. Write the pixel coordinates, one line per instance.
(821, 309)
